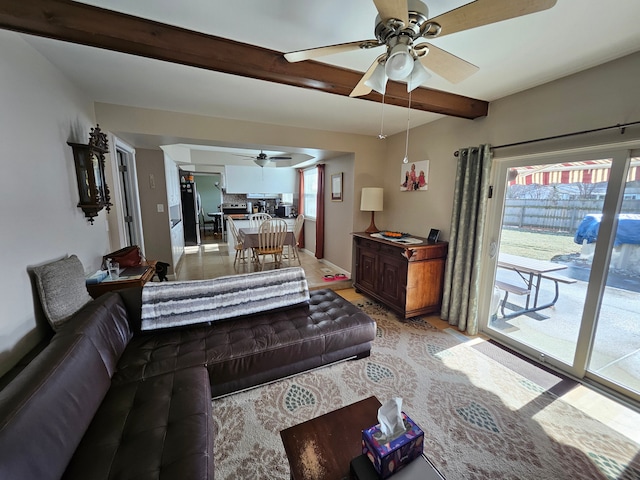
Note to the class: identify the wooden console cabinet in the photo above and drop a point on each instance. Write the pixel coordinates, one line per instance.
(407, 278)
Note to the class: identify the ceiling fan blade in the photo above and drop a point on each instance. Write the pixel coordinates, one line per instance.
(397, 9)
(300, 157)
(484, 12)
(447, 65)
(280, 158)
(362, 89)
(301, 55)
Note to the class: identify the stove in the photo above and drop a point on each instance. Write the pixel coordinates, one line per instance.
(235, 208)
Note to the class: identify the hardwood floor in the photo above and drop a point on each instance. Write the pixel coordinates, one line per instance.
(212, 260)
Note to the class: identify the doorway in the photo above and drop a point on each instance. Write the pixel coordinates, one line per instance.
(126, 226)
(565, 245)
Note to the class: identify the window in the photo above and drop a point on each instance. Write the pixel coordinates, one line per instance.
(310, 192)
(287, 198)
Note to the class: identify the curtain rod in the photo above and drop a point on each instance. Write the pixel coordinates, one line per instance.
(621, 126)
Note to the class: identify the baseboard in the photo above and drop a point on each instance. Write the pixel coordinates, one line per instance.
(335, 285)
(335, 267)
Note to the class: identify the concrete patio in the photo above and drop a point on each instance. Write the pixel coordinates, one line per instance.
(554, 331)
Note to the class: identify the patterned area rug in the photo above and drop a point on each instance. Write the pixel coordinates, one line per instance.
(481, 420)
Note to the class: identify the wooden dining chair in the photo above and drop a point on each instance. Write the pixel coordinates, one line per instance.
(239, 247)
(271, 241)
(292, 250)
(256, 219)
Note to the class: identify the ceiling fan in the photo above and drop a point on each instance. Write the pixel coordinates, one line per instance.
(401, 24)
(262, 159)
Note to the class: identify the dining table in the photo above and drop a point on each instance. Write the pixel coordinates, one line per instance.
(250, 237)
(531, 273)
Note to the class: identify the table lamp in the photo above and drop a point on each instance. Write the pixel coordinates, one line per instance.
(371, 201)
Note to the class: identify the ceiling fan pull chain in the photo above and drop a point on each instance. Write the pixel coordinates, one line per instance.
(406, 146)
(382, 136)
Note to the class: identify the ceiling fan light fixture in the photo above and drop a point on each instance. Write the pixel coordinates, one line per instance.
(399, 63)
(418, 76)
(378, 79)
(261, 162)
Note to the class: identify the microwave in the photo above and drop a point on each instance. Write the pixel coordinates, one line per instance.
(284, 211)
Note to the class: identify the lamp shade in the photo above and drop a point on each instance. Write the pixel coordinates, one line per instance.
(378, 80)
(400, 62)
(371, 200)
(418, 75)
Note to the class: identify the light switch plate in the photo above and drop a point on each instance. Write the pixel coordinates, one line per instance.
(160, 208)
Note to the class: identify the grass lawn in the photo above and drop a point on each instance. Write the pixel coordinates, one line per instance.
(538, 245)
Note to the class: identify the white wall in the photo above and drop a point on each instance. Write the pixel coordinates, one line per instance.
(40, 112)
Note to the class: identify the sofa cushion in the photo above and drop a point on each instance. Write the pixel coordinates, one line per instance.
(62, 290)
(46, 409)
(160, 428)
(183, 303)
(105, 322)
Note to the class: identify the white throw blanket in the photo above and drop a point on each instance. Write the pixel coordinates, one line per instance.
(200, 301)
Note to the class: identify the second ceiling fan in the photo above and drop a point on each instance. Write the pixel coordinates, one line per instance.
(401, 24)
(262, 159)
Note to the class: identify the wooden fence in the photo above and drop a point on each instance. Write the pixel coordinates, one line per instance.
(556, 215)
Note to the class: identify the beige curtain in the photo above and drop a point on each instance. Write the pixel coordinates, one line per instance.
(462, 280)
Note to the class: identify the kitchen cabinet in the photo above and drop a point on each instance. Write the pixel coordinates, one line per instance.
(267, 180)
(408, 278)
(171, 173)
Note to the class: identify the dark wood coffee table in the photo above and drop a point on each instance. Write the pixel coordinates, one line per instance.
(323, 447)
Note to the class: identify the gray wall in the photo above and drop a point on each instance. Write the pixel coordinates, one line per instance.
(338, 215)
(155, 225)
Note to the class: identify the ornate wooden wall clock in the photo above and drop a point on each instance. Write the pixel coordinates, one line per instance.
(89, 161)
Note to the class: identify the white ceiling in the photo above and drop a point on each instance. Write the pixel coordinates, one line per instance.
(514, 55)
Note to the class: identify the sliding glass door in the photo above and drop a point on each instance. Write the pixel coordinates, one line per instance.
(565, 247)
(614, 356)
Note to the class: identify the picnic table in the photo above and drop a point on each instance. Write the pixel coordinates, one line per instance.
(531, 272)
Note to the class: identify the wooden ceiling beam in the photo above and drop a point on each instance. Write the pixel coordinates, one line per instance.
(84, 24)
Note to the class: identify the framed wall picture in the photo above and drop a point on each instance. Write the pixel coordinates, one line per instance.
(336, 187)
(414, 176)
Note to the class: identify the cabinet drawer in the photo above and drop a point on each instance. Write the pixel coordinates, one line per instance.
(390, 250)
(368, 244)
(438, 250)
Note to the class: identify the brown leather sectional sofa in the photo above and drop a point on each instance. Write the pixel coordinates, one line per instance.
(104, 400)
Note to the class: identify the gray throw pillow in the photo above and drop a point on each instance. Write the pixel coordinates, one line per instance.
(62, 290)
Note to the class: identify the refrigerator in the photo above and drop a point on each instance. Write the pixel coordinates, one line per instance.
(191, 206)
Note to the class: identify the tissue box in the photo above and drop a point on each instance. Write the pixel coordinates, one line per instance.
(388, 458)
